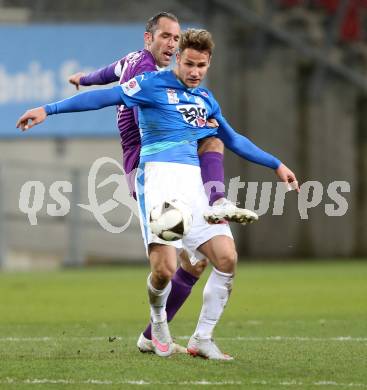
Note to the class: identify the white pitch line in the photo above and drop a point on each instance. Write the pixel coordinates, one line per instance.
(287, 338)
(238, 338)
(296, 338)
(21, 339)
(139, 382)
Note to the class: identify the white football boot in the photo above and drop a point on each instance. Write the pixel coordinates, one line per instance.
(206, 348)
(161, 339)
(146, 345)
(224, 210)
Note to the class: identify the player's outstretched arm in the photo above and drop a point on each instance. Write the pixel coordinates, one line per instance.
(243, 147)
(108, 74)
(246, 149)
(91, 100)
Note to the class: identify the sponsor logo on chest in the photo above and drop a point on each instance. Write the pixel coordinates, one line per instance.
(193, 114)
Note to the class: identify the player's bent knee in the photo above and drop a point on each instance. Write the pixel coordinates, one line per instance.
(200, 267)
(226, 262)
(211, 144)
(164, 273)
(197, 269)
(163, 264)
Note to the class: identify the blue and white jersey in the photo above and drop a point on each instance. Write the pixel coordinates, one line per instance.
(172, 117)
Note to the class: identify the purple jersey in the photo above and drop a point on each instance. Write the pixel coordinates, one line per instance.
(131, 65)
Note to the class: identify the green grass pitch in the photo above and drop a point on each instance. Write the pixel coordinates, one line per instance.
(289, 326)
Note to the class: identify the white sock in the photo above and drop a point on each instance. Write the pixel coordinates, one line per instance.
(215, 296)
(158, 300)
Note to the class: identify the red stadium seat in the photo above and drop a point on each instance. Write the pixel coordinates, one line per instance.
(351, 28)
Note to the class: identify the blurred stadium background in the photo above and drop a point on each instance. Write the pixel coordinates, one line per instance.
(289, 74)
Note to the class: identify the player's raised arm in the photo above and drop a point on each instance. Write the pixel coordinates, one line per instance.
(106, 75)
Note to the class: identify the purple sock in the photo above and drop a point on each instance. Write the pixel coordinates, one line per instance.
(182, 283)
(212, 174)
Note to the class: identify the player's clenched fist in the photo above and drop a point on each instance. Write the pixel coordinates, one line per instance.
(75, 79)
(35, 116)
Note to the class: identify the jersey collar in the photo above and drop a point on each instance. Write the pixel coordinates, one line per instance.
(148, 53)
(181, 83)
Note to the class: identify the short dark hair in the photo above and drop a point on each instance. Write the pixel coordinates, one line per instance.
(152, 23)
(200, 40)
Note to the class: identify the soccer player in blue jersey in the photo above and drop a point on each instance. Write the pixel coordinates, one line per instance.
(172, 116)
(160, 44)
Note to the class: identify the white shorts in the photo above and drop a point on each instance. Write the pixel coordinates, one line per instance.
(157, 182)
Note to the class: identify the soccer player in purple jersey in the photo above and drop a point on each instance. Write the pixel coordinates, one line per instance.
(160, 40)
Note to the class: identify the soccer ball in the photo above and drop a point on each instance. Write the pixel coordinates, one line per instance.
(171, 220)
